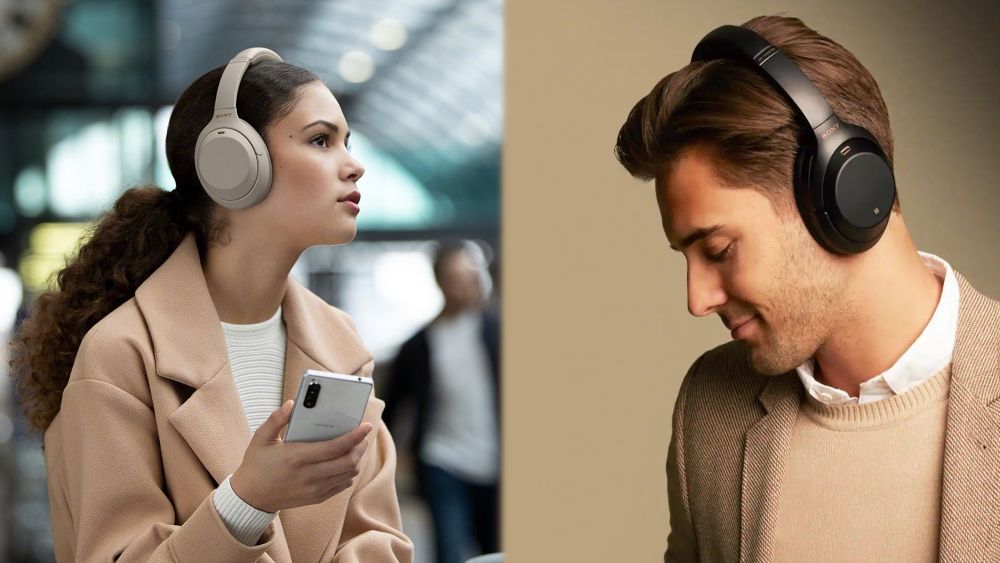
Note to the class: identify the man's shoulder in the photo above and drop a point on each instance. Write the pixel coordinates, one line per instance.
(724, 374)
(719, 398)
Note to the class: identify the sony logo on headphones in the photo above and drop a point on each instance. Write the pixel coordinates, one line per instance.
(830, 131)
(230, 114)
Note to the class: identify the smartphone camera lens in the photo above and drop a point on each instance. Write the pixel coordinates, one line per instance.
(311, 393)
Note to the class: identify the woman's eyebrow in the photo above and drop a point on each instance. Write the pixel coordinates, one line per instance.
(325, 123)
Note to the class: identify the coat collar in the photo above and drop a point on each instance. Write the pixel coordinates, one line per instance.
(188, 343)
(189, 347)
(971, 442)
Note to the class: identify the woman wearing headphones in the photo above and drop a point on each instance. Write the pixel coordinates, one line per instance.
(161, 369)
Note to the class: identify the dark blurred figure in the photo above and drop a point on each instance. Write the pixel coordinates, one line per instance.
(450, 369)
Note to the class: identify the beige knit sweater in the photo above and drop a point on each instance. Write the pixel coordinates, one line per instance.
(862, 482)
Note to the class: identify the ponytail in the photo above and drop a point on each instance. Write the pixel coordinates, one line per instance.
(125, 246)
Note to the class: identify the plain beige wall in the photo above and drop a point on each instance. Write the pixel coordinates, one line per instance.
(597, 336)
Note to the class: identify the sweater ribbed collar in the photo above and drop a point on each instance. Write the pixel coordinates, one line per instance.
(886, 412)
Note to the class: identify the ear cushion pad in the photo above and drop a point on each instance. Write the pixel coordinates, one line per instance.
(806, 204)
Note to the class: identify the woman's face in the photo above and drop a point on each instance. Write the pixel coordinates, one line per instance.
(313, 197)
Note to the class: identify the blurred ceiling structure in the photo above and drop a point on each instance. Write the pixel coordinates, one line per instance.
(420, 79)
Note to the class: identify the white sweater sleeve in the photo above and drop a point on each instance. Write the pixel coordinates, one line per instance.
(245, 522)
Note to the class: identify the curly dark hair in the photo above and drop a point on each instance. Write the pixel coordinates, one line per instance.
(141, 230)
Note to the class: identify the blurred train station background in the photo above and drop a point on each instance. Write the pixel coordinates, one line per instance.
(86, 88)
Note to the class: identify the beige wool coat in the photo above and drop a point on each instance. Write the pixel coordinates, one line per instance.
(151, 423)
(731, 428)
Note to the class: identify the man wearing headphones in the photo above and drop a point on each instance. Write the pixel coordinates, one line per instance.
(856, 415)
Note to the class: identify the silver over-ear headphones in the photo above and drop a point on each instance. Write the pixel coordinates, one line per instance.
(230, 157)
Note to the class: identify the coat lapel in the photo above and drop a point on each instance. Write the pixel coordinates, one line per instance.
(763, 466)
(970, 494)
(189, 347)
(319, 340)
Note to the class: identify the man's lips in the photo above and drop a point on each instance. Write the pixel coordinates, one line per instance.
(741, 329)
(738, 324)
(354, 197)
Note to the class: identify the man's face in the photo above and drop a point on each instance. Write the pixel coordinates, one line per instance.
(748, 263)
(459, 281)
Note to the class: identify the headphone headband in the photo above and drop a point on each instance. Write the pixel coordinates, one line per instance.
(733, 42)
(225, 97)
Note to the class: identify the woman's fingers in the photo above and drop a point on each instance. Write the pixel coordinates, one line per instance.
(318, 452)
(343, 467)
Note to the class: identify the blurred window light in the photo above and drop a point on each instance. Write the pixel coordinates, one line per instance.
(135, 131)
(356, 66)
(161, 170)
(84, 172)
(29, 192)
(50, 245)
(405, 280)
(89, 162)
(388, 34)
(11, 291)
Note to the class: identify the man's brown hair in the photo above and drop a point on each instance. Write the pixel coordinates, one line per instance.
(748, 128)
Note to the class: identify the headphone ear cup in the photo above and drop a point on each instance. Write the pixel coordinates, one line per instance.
(863, 191)
(233, 164)
(837, 203)
(858, 192)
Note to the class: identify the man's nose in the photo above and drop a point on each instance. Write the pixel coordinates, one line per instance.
(705, 292)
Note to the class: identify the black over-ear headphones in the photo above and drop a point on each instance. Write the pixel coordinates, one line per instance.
(844, 186)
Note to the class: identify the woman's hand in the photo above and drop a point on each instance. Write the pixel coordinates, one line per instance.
(276, 474)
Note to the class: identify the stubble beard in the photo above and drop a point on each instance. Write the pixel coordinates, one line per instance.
(806, 297)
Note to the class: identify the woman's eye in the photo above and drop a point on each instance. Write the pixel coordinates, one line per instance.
(721, 256)
(348, 145)
(323, 137)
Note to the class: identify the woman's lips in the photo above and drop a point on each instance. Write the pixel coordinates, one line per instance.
(352, 200)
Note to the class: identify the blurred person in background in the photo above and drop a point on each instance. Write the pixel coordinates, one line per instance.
(450, 370)
(157, 367)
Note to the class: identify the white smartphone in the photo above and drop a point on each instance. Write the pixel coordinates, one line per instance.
(327, 405)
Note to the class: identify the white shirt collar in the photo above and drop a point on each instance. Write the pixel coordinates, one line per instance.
(928, 354)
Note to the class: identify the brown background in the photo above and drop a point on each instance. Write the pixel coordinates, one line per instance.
(597, 336)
